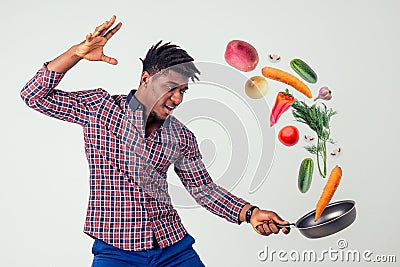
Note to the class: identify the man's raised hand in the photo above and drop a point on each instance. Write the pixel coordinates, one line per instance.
(92, 48)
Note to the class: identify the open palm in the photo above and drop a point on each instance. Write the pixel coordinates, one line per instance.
(92, 48)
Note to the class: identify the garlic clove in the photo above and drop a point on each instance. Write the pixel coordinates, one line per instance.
(324, 93)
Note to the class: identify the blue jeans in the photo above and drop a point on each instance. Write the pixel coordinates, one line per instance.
(179, 254)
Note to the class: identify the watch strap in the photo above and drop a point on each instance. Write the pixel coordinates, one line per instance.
(249, 212)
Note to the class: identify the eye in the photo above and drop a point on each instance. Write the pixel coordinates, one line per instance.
(183, 91)
(169, 88)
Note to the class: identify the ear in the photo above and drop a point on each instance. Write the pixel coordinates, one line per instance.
(144, 79)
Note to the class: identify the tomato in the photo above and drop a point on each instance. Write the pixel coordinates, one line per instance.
(289, 135)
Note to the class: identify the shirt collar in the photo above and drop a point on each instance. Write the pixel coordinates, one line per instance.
(134, 104)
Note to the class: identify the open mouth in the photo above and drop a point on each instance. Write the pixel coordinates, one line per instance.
(169, 109)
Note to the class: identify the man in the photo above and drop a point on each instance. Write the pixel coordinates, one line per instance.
(130, 141)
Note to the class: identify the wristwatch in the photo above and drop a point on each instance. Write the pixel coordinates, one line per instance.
(249, 212)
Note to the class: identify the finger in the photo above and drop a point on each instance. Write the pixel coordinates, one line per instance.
(256, 229)
(275, 217)
(109, 60)
(260, 229)
(111, 32)
(98, 29)
(112, 20)
(273, 227)
(266, 229)
(107, 26)
(286, 230)
(88, 37)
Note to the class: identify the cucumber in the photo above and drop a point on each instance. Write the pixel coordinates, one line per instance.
(305, 174)
(305, 71)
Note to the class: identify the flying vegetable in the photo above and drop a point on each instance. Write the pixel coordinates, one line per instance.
(317, 118)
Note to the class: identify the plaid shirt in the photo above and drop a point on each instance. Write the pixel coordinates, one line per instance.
(129, 204)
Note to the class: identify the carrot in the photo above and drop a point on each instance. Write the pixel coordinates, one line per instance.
(285, 77)
(329, 189)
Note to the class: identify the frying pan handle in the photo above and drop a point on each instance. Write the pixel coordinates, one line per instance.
(280, 226)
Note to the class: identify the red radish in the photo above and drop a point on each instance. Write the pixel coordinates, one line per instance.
(241, 55)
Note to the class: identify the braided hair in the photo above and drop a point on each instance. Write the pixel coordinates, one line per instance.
(159, 58)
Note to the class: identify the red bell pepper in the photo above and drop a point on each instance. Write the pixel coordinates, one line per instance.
(283, 102)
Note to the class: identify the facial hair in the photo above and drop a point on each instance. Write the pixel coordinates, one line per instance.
(153, 116)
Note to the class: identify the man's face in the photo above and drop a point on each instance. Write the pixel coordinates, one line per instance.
(167, 88)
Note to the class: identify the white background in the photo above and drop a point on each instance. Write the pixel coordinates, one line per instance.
(352, 45)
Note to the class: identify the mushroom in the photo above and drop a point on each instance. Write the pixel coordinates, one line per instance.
(336, 152)
(274, 58)
(308, 138)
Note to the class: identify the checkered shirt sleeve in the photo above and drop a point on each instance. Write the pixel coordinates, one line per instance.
(197, 181)
(76, 107)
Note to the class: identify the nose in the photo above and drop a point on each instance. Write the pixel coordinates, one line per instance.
(176, 97)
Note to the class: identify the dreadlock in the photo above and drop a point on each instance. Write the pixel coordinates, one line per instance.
(162, 57)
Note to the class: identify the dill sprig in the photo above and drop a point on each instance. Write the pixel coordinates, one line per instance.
(313, 149)
(317, 118)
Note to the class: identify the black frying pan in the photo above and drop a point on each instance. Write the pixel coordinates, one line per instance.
(336, 217)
